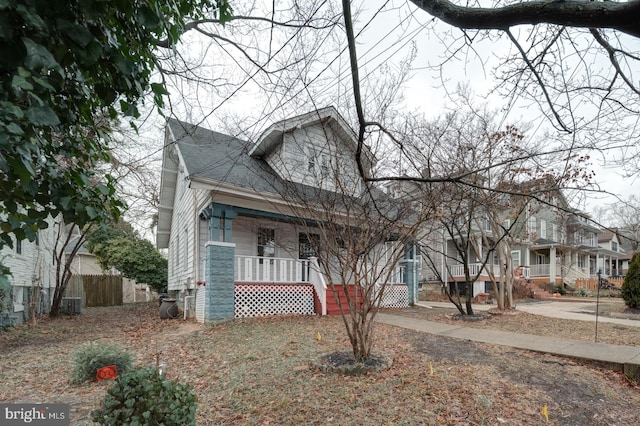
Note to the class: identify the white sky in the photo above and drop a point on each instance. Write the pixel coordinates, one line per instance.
(387, 39)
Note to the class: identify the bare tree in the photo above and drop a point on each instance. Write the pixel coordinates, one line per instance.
(481, 180)
(626, 217)
(550, 36)
(68, 241)
(362, 238)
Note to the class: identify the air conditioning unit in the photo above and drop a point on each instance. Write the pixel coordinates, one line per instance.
(71, 305)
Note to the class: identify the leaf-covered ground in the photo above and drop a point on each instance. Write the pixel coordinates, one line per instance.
(261, 371)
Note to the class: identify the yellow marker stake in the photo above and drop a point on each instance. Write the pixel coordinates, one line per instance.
(545, 413)
(431, 367)
(319, 336)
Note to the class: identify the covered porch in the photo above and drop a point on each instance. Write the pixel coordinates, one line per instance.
(561, 264)
(611, 264)
(257, 264)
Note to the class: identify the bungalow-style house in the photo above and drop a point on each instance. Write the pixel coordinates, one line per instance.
(239, 242)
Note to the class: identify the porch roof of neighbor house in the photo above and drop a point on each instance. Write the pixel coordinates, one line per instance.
(546, 244)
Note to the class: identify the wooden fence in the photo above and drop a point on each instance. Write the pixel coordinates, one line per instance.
(96, 290)
(591, 284)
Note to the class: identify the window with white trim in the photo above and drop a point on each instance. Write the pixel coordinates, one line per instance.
(311, 161)
(515, 258)
(582, 261)
(266, 242)
(486, 225)
(186, 249)
(532, 226)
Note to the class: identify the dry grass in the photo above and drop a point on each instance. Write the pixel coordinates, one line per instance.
(260, 371)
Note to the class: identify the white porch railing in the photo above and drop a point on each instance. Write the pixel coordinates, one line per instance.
(271, 269)
(474, 268)
(539, 270)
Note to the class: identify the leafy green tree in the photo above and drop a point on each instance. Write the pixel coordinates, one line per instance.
(65, 65)
(631, 286)
(121, 248)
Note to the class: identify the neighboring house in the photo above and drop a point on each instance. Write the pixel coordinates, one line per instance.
(229, 231)
(612, 260)
(546, 244)
(559, 244)
(32, 278)
(84, 262)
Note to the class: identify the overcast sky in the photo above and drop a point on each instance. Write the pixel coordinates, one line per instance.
(387, 36)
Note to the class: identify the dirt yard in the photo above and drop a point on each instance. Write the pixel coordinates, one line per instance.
(260, 371)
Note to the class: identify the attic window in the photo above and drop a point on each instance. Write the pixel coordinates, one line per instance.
(312, 161)
(324, 166)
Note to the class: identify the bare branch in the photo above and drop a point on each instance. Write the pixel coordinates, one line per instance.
(614, 61)
(623, 16)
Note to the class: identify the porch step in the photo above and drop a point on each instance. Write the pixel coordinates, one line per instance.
(332, 304)
(533, 290)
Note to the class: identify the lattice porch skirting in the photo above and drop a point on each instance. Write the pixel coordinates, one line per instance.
(395, 296)
(257, 300)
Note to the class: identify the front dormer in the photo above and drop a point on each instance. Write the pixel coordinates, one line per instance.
(316, 149)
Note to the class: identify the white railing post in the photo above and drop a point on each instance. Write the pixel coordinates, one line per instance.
(316, 278)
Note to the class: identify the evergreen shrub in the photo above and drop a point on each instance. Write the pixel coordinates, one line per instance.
(631, 285)
(144, 397)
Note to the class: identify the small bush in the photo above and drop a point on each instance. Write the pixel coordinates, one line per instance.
(560, 289)
(583, 292)
(89, 358)
(631, 285)
(144, 397)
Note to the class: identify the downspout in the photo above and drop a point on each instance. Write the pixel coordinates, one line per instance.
(186, 305)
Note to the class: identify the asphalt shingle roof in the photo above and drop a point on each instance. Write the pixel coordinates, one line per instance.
(218, 157)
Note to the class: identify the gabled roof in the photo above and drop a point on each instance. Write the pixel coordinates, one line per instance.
(328, 115)
(607, 235)
(207, 156)
(216, 157)
(214, 160)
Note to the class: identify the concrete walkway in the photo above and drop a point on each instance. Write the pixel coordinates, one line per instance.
(566, 310)
(617, 357)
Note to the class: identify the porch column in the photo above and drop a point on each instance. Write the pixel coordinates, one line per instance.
(219, 263)
(552, 265)
(410, 258)
(220, 218)
(219, 287)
